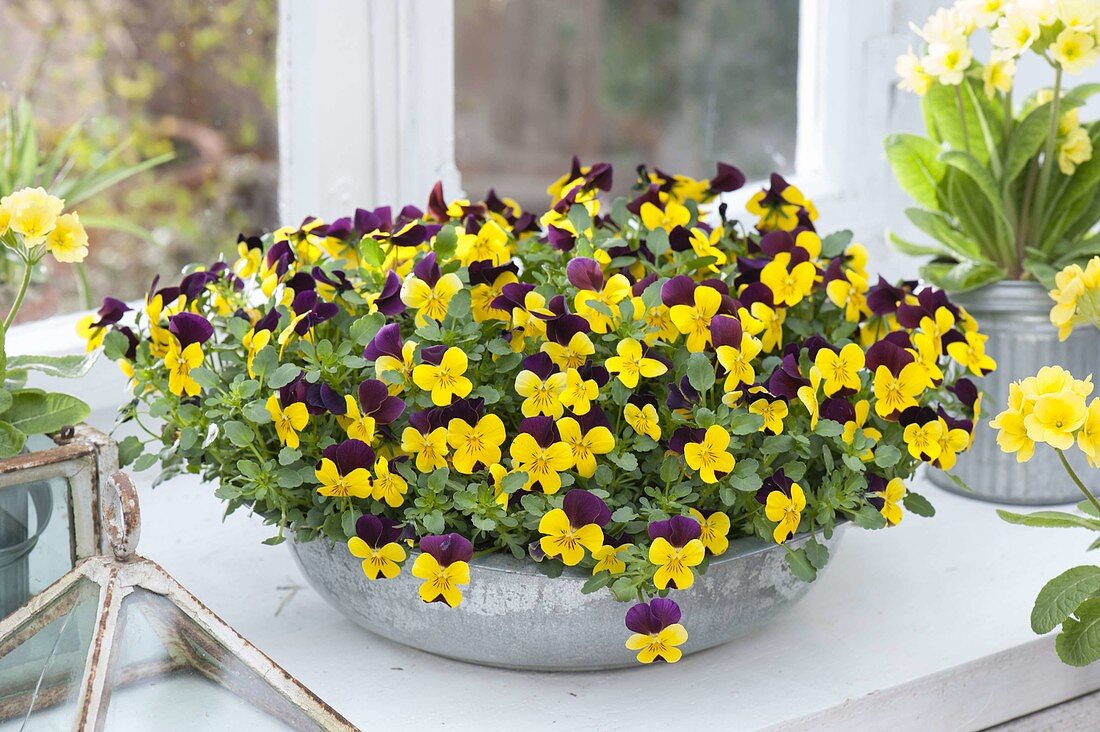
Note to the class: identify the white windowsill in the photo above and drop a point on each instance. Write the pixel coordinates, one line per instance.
(924, 626)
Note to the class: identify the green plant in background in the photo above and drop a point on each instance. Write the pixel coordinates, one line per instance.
(32, 225)
(24, 163)
(1005, 190)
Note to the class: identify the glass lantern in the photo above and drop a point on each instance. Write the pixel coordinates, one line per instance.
(118, 644)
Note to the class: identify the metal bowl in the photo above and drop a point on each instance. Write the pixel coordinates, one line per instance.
(512, 616)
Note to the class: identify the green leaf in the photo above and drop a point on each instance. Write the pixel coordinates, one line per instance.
(916, 167)
(144, 462)
(446, 241)
(800, 565)
(5, 399)
(366, 327)
(11, 440)
(282, 376)
(1050, 520)
(983, 179)
(914, 249)
(746, 423)
(869, 517)
(817, 553)
(918, 505)
(239, 433)
(829, 428)
(940, 228)
(67, 367)
(596, 582)
(835, 243)
(745, 477)
(963, 276)
(941, 105)
(700, 372)
(1079, 642)
(1026, 140)
(39, 413)
(129, 450)
(1061, 596)
(887, 456)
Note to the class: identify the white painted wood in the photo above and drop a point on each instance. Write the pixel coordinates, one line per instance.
(366, 111)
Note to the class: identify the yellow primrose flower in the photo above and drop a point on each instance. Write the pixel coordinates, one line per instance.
(477, 444)
(573, 355)
(585, 446)
(948, 60)
(490, 243)
(1074, 150)
(1074, 50)
(659, 645)
(738, 362)
(179, 363)
(772, 412)
(630, 364)
(891, 496)
(385, 560)
(430, 302)
(430, 449)
(289, 420)
(643, 420)
(389, 487)
(923, 440)
(998, 75)
(1016, 31)
(34, 213)
(446, 380)
(896, 393)
(715, 531)
(1088, 439)
(541, 396)
(912, 74)
(1012, 435)
(607, 559)
(67, 241)
(786, 511)
(840, 370)
(710, 456)
(971, 353)
(789, 286)
(675, 214)
(952, 442)
(694, 320)
(543, 465)
(1055, 418)
(579, 393)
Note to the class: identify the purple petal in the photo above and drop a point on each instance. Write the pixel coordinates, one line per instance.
(585, 274)
(448, 548)
(542, 429)
(387, 341)
(190, 328)
(583, 508)
(540, 365)
(680, 290)
(725, 330)
(377, 531)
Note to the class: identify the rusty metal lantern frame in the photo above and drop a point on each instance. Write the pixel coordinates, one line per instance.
(194, 637)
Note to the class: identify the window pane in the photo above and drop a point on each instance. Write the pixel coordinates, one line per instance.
(673, 83)
(193, 79)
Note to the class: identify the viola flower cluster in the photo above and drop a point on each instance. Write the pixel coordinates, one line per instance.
(623, 388)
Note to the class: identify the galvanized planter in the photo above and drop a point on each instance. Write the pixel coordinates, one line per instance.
(1016, 315)
(512, 616)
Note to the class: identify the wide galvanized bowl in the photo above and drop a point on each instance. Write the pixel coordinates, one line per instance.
(1016, 316)
(512, 616)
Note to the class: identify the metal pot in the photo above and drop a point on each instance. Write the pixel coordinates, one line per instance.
(513, 616)
(1016, 316)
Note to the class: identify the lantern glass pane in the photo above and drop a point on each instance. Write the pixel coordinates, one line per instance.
(42, 662)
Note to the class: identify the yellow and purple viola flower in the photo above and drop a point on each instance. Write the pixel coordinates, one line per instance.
(376, 542)
(93, 328)
(576, 526)
(189, 332)
(886, 496)
(607, 556)
(538, 451)
(443, 565)
(374, 407)
(784, 501)
(657, 632)
(542, 387)
(587, 436)
(676, 548)
(344, 470)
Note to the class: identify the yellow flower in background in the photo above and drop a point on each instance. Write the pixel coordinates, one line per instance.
(67, 241)
(675, 214)
(971, 354)
(630, 365)
(927, 356)
(948, 60)
(385, 560)
(446, 380)
(594, 306)
(998, 75)
(674, 563)
(1074, 50)
(404, 367)
(710, 456)
(773, 412)
(1074, 150)
(643, 420)
(490, 243)
(766, 323)
(738, 362)
(289, 420)
(1016, 31)
(607, 559)
(482, 296)
(808, 396)
(1088, 439)
(840, 370)
(34, 214)
(850, 296)
(912, 74)
(1055, 418)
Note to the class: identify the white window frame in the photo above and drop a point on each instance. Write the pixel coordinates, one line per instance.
(371, 122)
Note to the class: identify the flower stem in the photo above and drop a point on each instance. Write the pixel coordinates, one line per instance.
(1072, 474)
(962, 118)
(1048, 153)
(27, 267)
